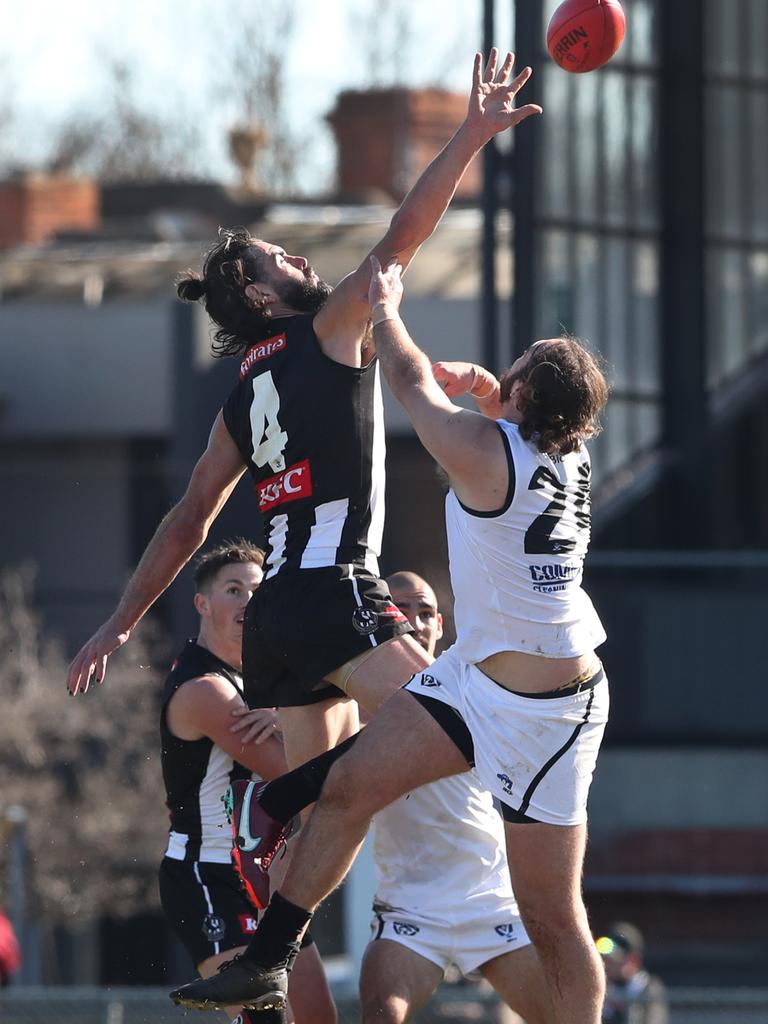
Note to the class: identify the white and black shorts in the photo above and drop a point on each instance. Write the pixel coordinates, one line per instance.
(535, 753)
(469, 935)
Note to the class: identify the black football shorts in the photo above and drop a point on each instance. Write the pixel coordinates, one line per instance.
(302, 624)
(205, 906)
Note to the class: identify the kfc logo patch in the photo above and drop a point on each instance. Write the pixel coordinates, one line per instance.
(261, 350)
(290, 485)
(247, 924)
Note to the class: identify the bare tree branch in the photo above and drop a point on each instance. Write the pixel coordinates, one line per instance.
(87, 770)
(126, 142)
(253, 80)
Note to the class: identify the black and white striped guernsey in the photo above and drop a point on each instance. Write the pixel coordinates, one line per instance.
(197, 773)
(311, 432)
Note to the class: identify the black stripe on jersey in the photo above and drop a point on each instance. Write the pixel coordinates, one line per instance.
(510, 485)
(379, 929)
(556, 757)
(295, 540)
(194, 845)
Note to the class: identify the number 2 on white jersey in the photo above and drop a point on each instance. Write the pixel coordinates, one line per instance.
(269, 440)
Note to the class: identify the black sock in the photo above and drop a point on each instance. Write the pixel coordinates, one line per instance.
(276, 940)
(262, 1017)
(284, 797)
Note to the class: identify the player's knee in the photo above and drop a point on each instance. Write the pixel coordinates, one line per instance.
(383, 1009)
(342, 792)
(551, 927)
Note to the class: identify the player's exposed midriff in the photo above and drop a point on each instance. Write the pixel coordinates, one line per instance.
(528, 673)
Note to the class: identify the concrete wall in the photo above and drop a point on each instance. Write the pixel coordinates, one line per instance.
(66, 508)
(69, 370)
(673, 788)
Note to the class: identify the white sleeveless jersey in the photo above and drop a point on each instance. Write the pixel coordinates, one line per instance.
(441, 843)
(516, 573)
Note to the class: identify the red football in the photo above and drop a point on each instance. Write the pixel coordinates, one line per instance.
(584, 34)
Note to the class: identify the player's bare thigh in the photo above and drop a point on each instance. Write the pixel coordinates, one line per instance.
(372, 677)
(395, 982)
(518, 978)
(314, 728)
(402, 748)
(369, 678)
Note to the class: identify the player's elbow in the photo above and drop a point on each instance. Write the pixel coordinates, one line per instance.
(187, 523)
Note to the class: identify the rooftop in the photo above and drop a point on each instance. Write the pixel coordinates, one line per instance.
(141, 255)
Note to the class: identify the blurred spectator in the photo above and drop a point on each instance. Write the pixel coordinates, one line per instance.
(10, 954)
(633, 996)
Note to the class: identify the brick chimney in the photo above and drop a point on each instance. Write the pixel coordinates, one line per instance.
(386, 137)
(34, 206)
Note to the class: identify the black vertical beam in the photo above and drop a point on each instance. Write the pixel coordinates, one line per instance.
(683, 316)
(528, 48)
(491, 165)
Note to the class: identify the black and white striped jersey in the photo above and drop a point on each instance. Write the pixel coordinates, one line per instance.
(197, 773)
(311, 432)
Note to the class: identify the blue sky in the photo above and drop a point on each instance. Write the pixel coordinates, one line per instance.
(52, 64)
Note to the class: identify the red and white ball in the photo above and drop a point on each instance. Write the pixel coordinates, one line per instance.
(584, 34)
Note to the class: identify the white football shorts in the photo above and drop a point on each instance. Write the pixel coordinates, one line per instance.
(467, 940)
(536, 754)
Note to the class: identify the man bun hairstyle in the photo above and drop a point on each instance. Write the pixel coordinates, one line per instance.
(230, 265)
(237, 551)
(563, 391)
(190, 287)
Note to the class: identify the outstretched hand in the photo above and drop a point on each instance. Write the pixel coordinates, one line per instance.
(386, 284)
(492, 99)
(90, 663)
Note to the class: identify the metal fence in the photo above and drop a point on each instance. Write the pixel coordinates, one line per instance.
(73, 1005)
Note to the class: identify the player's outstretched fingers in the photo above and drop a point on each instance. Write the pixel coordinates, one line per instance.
(490, 67)
(86, 672)
(477, 68)
(505, 69)
(75, 676)
(520, 80)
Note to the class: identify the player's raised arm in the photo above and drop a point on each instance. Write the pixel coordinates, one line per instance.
(341, 322)
(176, 539)
(467, 445)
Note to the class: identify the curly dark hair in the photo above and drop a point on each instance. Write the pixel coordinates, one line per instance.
(237, 551)
(563, 391)
(231, 264)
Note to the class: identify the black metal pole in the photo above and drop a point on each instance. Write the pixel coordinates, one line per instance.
(683, 318)
(528, 27)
